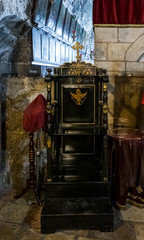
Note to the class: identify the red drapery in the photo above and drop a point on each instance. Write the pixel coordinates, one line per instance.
(119, 12)
(142, 102)
(34, 116)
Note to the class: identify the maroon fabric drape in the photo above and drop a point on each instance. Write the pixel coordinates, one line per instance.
(142, 101)
(34, 116)
(118, 12)
(126, 161)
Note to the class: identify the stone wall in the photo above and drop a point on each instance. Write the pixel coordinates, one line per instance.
(17, 94)
(121, 52)
(17, 8)
(14, 23)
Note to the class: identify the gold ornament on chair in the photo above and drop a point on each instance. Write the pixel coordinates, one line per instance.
(78, 97)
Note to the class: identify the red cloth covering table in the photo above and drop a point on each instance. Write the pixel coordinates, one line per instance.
(126, 163)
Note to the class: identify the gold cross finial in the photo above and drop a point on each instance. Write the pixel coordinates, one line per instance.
(77, 47)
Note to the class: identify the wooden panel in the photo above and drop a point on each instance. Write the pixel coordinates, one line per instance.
(78, 37)
(84, 38)
(58, 51)
(72, 28)
(67, 56)
(60, 21)
(44, 47)
(52, 20)
(41, 12)
(74, 110)
(80, 33)
(49, 49)
(52, 50)
(71, 54)
(62, 53)
(74, 55)
(36, 44)
(79, 144)
(67, 26)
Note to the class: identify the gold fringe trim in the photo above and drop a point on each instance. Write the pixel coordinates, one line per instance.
(120, 25)
(130, 201)
(139, 189)
(135, 197)
(120, 206)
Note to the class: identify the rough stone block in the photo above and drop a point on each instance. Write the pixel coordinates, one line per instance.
(8, 231)
(13, 213)
(24, 42)
(136, 50)
(134, 67)
(60, 236)
(20, 69)
(106, 34)
(116, 51)
(129, 34)
(111, 66)
(23, 69)
(112, 81)
(101, 51)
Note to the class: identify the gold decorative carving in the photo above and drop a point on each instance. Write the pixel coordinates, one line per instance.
(49, 142)
(105, 87)
(79, 80)
(78, 97)
(80, 68)
(80, 71)
(48, 108)
(105, 179)
(49, 180)
(105, 108)
(139, 189)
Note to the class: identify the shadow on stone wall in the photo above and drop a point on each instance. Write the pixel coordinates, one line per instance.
(128, 94)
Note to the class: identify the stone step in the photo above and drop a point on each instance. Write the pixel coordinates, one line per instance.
(77, 189)
(77, 213)
(80, 206)
(78, 177)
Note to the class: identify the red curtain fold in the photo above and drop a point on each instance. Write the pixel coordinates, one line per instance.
(118, 12)
(34, 116)
(142, 101)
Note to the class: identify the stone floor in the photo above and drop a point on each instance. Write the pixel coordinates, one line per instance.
(20, 220)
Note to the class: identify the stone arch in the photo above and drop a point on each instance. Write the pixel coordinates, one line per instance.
(141, 58)
(136, 51)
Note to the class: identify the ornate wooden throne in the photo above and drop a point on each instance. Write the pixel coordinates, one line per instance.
(77, 191)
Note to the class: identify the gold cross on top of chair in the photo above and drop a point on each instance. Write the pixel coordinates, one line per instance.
(77, 47)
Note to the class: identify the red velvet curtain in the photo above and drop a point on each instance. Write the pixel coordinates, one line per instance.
(118, 12)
